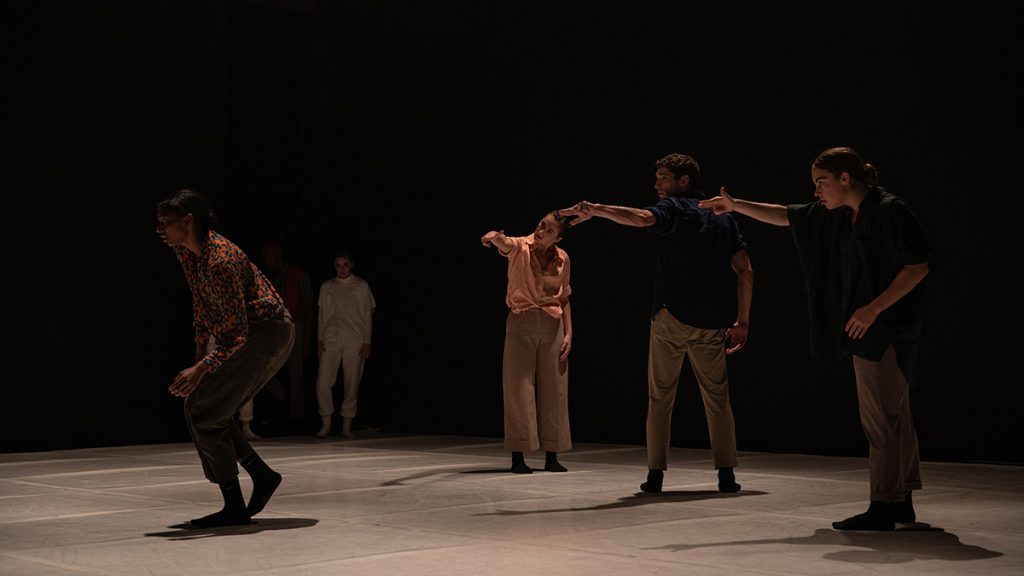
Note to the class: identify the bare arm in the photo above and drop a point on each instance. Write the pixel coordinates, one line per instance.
(771, 213)
(745, 295)
(566, 332)
(863, 317)
(497, 239)
(201, 348)
(583, 210)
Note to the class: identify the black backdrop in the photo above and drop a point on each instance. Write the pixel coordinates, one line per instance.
(405, 130)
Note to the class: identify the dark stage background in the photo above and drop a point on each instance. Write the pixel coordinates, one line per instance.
(406, 130)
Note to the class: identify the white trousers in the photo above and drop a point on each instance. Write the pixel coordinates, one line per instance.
(346, 357)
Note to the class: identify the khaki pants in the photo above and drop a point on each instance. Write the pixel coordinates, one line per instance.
(883, 397)
(535, 384)
(296, 381)
(210, 408)
(671, 342)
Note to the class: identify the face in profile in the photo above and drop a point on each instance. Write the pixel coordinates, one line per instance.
(170, 227)
(548, 230)
(665, 183)
(829, 188)
(343, 267)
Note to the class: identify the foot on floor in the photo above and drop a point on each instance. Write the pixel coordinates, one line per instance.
(262, 490)
(654, 480)
(904, 511)
(727, 480)
(519, 464)
(551, 463)
(223, 518)
(878, 518)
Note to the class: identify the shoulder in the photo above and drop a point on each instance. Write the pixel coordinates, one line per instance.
(890, 201)
(224, 252)
(809, 211)
(891, 205)
(804, 208)
(666, 204)
(519, 244)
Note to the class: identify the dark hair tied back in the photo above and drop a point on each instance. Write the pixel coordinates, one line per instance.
(185, 202)
(843, 159)
(564, 222)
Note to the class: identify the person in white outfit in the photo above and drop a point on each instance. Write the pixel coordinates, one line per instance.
(345, 323)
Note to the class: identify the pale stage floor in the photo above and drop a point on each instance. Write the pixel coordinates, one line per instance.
(420, 505)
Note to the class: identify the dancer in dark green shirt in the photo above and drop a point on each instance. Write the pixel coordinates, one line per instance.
(864, 255)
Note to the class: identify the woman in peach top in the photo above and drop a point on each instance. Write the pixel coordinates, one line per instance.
(538, 337)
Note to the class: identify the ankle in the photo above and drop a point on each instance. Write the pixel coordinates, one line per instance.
(256, 467)
(551, 463)
(232, 493)
(519, 464)
(654, 481)
(880, 509)
(727, 480)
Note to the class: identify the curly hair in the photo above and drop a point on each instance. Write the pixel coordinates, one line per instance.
(680, 165)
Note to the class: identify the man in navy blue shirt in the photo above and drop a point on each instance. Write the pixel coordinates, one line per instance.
(701, 308)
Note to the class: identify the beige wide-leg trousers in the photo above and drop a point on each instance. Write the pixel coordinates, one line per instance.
(535, 384)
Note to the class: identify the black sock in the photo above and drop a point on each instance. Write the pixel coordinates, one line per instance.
(264, 482)
(551, 463)
(904, 511)
(519, 464)
(879, 516)
(233, 513)
(727, 480)
(654, 480)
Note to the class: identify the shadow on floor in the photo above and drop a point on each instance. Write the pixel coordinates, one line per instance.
(638, 499)
(438, 471)
(188, 532)
(916, 541)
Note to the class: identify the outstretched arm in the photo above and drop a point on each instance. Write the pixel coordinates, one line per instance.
(497, 239)
(770, 213)
(624, 215)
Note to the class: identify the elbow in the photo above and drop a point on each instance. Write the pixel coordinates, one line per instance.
(745, 277)
(648, 220)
